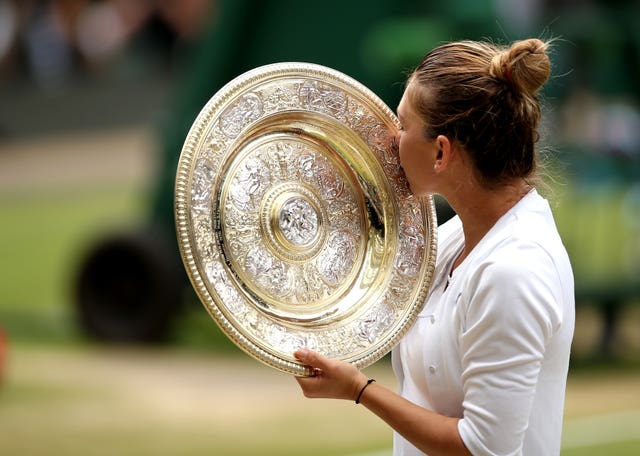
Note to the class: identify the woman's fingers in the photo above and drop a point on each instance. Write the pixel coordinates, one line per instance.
(311, 358)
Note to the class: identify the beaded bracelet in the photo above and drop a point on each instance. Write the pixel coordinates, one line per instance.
(369, 382)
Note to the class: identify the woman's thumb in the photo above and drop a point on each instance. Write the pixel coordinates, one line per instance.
(310, 357)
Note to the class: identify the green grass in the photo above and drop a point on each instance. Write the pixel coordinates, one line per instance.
(42, 239)
(629, 448)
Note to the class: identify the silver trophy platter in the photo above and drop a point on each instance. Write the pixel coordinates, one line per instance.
(294, 219)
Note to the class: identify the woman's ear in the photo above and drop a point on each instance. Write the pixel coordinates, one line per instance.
(443, 153)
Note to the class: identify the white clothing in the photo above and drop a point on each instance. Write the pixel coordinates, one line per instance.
(492, 347)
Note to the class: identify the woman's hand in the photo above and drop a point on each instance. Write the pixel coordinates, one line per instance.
(333, 379)
(430, 432)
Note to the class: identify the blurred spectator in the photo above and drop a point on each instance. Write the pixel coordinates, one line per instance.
(47, 39)
(606, 126)
(52, 40)
(103, 28)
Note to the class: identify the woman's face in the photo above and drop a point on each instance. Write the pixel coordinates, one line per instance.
(416, 151)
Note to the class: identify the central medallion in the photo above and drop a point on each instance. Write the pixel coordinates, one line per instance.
(293, 219)
(298, 221)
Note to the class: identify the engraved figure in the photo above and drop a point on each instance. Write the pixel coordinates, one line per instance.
(338, 259)
(203, 177)
(288, 342)
(249, 183)
(328, 180)
(322, 98)
(298, 221)
(412, 247)
(282, 97)
(370, 328)
(215, 147)
(271, 274)
(235, 118)
(278, 157)
(309, 285)
(306, 165)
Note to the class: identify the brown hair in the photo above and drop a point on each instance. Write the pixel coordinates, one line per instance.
(484, 97)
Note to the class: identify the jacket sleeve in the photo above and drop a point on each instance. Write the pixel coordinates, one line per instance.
(510, 312)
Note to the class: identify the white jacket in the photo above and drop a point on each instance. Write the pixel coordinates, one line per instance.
(493, 348)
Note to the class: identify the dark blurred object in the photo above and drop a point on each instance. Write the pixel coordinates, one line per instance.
(129, 287)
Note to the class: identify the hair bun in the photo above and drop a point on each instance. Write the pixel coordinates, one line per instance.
(525, 65)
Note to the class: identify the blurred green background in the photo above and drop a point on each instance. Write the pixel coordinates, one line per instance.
(107, 350)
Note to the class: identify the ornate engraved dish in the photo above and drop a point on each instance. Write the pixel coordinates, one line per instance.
(295, 221)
